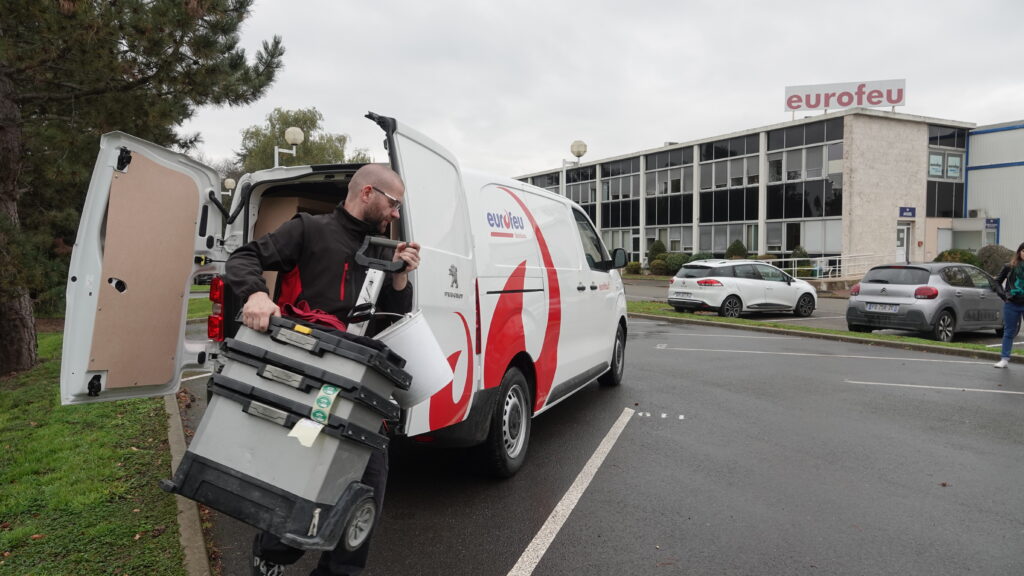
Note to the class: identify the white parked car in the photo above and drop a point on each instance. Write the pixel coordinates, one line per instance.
(734, 287)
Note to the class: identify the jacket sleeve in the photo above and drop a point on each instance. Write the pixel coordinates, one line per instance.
(1001, 278)
(279, 251)
(391, 300)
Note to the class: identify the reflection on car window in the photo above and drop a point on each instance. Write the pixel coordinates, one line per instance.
(747, 271)
(978, 278)
(896, 275)
(689, 271)
(956, 276)
(770, 273)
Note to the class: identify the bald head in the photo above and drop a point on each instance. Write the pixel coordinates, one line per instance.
(372, 194)
(375, 175)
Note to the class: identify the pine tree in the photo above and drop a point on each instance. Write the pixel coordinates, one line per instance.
(71, 70)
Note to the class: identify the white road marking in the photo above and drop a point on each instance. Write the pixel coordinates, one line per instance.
(808, 318)
(1000, 345)
(823, 355)
(932, 387)
(539, 545)
(700, 335)
(204, 375)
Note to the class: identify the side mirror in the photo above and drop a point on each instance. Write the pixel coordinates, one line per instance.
(618, 258)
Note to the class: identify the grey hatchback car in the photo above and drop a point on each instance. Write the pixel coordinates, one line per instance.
(940, 298)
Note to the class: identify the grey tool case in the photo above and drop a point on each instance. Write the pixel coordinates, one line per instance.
(242, 461)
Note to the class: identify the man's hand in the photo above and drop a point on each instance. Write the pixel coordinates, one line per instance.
(410, 253)
(257, 311)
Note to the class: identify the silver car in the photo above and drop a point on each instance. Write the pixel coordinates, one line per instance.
(940, 298)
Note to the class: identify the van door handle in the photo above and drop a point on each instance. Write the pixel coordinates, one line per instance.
(581, 287)
(593, 286)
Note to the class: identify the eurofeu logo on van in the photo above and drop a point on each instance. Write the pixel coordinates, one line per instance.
(505, 224)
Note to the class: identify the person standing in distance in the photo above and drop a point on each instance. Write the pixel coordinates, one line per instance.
(320, 281)
(1011, 281)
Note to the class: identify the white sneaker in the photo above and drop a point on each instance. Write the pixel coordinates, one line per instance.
(1002, 363)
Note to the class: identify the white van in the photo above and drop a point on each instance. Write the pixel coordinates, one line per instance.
(524, 299)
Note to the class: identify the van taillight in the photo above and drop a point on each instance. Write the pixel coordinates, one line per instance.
(926, 293)
(217, 290)
(855, 291)
(708, 282)
(215, 321)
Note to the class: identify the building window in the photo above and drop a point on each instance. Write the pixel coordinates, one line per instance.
(947, 137)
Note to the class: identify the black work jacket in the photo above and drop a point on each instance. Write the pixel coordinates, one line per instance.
(316, 255)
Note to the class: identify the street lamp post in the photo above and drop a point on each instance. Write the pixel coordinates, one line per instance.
(293, 136)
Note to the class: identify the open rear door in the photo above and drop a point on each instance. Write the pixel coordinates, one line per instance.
(150, 223)
(436, 215)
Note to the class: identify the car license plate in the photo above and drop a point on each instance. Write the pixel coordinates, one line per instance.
(890, 308)
(683, 294)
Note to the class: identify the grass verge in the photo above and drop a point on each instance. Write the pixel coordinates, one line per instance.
(662, 309)
(78, 484)
(199, 308)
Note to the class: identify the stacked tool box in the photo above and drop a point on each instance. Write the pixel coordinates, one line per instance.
(293, 417)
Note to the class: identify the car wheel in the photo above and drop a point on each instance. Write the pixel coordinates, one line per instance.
(857, 328)
(1000, 332)
(680, 308)
(804, 306)
(504, 450)
(613, 377)
(942, 330)
(731, 307)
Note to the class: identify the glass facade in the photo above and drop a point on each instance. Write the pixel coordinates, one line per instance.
(945, 189)
(702, 197)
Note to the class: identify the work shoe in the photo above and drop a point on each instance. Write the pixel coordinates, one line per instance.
(261, 567)
(1003, 362)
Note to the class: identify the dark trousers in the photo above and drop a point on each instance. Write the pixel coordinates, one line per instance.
(337, 562)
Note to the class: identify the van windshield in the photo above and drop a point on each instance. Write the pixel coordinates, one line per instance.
(896, 275)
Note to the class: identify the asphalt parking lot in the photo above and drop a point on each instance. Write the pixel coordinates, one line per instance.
(731, 452)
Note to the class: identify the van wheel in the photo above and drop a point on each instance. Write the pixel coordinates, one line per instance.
(731, 307)
(613, 377)
(804, 306)
(942, 330)
(504, 451)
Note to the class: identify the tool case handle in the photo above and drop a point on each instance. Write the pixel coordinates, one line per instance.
(377, 263)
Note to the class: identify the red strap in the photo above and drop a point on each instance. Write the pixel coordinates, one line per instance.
(302, 311)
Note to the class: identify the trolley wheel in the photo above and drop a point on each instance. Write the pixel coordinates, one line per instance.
(360, 523)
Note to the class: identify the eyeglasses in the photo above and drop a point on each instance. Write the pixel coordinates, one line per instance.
(395, 203)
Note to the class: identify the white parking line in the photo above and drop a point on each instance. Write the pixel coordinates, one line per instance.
(807, 319)
(539, 545)
(1000, 345)
(700, 335)
(664, 347)
(203, 375)
(931, 387)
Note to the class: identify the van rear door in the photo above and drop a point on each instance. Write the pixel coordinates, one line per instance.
(150, 224)
(436, 215)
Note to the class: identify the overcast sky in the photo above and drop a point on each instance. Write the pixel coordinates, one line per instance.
(507, 86)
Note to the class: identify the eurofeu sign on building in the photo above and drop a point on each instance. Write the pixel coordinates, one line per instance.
(847, 95)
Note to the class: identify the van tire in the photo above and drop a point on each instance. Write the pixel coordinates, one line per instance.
(613, 377)
(504, 451)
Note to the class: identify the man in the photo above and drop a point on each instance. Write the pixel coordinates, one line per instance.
(321, 282)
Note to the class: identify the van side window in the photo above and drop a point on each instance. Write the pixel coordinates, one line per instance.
(592, 246)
